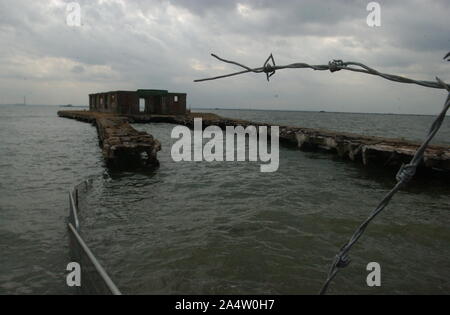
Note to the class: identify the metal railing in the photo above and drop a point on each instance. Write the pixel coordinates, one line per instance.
(94, 279)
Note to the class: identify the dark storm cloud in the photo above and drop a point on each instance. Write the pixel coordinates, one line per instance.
(166, 44)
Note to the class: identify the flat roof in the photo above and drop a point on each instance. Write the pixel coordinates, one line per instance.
(142, 92)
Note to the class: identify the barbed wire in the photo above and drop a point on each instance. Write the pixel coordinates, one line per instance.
(447, 55)
(404, 175)
(335, 65)
(406, 171)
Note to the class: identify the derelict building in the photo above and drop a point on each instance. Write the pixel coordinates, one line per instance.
(140, 102)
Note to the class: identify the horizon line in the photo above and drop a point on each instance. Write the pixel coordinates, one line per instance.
(247, 109)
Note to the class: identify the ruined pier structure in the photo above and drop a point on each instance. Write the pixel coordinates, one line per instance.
(140, 102)
(367, 150)
(121, 144)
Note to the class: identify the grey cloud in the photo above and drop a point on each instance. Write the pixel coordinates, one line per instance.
(77, 69)
(166, 44)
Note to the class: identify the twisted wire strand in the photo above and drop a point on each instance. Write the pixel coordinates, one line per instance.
(446, 56)
(332, 66)
(405, 173)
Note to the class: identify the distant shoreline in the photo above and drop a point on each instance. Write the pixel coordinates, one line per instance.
(307, 111)
(249, 109)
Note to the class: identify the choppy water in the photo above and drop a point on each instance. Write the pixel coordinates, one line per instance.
(204, 228)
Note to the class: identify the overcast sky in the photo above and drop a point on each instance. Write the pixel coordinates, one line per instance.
(124, 44)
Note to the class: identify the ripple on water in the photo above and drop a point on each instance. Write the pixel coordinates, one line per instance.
(227, 228)
(212, 228)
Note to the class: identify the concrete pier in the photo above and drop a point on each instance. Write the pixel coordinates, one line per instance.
(122, 145)
(376, 151)
(368, 150)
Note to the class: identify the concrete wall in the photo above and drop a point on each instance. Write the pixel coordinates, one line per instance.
(152, 104)
(176, 103)
(127, 102)
(103, 102)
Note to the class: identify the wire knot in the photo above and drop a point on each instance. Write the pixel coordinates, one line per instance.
(342, 261)
(268, 68)
(335, 65)
(406, 173)
(443, 84)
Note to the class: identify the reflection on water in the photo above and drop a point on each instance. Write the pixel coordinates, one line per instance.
(199, 227)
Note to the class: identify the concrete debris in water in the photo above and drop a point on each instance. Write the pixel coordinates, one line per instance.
(122, 145)
(368, 150)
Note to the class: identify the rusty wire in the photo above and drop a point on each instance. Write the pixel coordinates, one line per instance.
(406, 172)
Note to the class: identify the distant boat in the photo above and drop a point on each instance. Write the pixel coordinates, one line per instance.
(68, 105)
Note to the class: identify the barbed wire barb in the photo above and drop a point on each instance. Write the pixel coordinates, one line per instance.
(406, 171)
(404, 175)
(332, 66)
